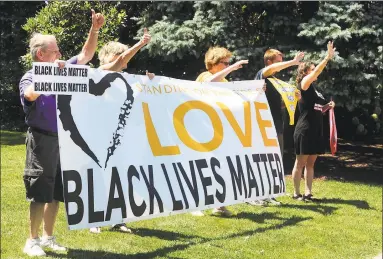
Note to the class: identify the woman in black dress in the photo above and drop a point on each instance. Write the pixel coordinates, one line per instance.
(308, 134)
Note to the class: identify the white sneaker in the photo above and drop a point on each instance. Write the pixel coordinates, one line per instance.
(96, 230)
(50, 243)
(257, 203)
(198, 213)
(32, 248)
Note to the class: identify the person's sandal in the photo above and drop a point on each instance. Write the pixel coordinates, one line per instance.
(298, 197)
(121, 228)
(309, 197)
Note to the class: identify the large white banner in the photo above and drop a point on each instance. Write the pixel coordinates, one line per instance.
(134, 149)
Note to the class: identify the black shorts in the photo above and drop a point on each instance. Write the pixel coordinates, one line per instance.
(42, 173)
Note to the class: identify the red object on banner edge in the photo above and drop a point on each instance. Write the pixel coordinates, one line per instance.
(333, 132)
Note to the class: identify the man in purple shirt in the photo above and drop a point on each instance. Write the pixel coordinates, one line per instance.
(42, 174)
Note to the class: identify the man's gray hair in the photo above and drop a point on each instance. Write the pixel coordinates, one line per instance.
(39, 41)
(110, 49)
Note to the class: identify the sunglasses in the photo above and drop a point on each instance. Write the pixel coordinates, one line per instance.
(225, 63)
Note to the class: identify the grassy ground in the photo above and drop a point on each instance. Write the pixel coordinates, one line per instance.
(347, 223)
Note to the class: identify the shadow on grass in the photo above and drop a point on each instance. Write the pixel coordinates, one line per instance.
(85, 254)
(163, 252)
(163, 234)
(360, 204)
(11, 138)
(257, 217)
(322, 209)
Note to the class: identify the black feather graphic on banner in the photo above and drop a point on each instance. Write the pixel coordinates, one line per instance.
(96, 89)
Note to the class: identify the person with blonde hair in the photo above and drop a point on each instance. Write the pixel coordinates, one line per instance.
(308, 134)
(114, 56)
(217, 62)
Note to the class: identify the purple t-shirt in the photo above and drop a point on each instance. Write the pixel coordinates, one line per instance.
(40, 113)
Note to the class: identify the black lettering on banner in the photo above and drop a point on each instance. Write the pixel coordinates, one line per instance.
(76, 71)
(152, 190)
(93, 216)
(193, 188)
(280, 173)
(273, 173)
(43, 70)
(257, 160)
(115, 203)
(251, 178)
(238, 179)
(137, 210)
(177, 204)
(181, 186)
(206, 181)
(221, 196)
(59, 87)
(43, 86)
(60, 71)
(264, 160)
(72, 175)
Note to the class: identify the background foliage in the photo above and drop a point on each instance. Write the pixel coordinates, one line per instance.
(183, 31)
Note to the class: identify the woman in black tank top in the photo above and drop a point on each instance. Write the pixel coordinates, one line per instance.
(308, 134)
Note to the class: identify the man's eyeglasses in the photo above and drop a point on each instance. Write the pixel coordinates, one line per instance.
(56, 51)
(225, 63)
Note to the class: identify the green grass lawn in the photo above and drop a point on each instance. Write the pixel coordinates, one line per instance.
(346, 224)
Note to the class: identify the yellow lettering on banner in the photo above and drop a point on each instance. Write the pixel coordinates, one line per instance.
(245, 138)
(183, 134)
(168, 88)
(263, 124)
(154, 141)
(158, 90)
(138, 86)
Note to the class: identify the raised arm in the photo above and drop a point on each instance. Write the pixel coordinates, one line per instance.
(127, 55)
(276, 67)
(308, 79)
(217, 77)
(90, 45)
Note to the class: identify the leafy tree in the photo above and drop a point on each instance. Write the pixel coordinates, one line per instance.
(12, 16)
(70, 23)
(354, 77)
(183, 31)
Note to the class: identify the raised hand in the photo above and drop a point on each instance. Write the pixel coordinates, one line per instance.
(237, 65)
(146, 37)
(331, 104)
(298, 57)
(150, 75)
(97, 20)
(330, 50)
(60, 63)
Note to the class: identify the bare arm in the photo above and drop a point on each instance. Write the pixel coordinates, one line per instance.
(217, 77)
(308, 79)
(127, 55)
(30, 94)
(90, 45)
(276, 67)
